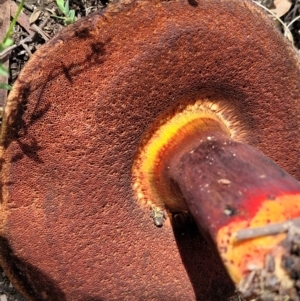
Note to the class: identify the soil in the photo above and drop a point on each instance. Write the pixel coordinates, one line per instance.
(265, 282)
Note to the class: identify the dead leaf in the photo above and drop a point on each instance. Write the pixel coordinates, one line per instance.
(34, 16)
(281, 7)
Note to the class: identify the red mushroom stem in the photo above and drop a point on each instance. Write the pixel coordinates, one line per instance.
(229, 186)
(197, 161)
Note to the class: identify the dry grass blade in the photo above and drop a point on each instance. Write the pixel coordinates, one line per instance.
(270, 229)
(4, 25)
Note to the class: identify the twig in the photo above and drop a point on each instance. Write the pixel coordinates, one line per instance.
(7, 50)
(27, 6)
(27, 49)
(40, 32)
(44, 22)
(270, 229)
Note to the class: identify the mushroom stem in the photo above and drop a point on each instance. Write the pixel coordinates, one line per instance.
(230, 186)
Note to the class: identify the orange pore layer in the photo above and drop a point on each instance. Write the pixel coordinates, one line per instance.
(244, 256)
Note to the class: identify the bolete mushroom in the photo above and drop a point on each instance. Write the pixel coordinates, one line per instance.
(103, 128)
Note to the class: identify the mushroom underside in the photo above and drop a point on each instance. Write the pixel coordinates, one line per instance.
(71, 225)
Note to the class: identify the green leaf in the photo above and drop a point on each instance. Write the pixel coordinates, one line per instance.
(3, 71)
(5, 86)
(67, 8)
(13, 23)
(60, 4)
(72, 15)
(58, 17)
(8, 43)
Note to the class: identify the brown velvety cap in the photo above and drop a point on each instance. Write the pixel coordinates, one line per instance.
(71, 228)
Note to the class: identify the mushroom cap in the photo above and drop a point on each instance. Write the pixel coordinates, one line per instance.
(71, 227)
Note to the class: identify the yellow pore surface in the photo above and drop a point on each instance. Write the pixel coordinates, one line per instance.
(156, 147)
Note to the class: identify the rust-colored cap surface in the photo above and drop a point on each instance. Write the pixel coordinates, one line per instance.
(71, 228)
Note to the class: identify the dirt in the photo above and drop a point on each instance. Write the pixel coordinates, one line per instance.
(265, 282)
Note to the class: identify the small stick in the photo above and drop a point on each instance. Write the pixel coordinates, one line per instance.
(40, 31)
(270, 229)
(45, 21)
(27, 6)
(27, 49)
(12, 47)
